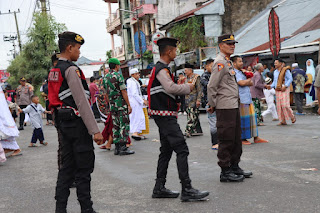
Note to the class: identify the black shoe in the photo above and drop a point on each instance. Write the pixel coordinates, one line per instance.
(21, 128)
(229, 176)
(89, 211)
(188, 193)
(61, 207)
(160, 191)
(116, 149)
(123, 150)
(238, 171)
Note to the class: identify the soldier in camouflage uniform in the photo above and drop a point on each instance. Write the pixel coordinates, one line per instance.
(193, 101)
(119, 107)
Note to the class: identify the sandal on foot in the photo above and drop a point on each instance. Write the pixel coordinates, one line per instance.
(33, 145)
(294, 120)
(137, 138)
(281, 124)
(44, 143)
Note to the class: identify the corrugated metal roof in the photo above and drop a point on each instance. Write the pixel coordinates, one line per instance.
(293, 14)
(302, 38)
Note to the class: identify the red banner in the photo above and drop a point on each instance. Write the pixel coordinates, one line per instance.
(274, 33)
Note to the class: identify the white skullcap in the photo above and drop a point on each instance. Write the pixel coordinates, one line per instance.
(295, 65)
(268, 80)
(133, 71)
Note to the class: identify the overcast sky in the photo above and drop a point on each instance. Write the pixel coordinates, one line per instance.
(81, 16)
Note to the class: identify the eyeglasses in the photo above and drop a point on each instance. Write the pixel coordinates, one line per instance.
(231, 44)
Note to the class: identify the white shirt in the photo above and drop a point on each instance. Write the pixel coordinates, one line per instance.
(269, 94)
(35, 113)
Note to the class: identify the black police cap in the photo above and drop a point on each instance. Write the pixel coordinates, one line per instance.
(167, 42)
(227, 38)
(71, 36)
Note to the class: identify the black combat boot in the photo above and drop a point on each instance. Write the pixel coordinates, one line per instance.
(227, 175)
(116, 149)
(188, 193)
(160, 191)
(238, 171)
(61, 207)
(124, 150)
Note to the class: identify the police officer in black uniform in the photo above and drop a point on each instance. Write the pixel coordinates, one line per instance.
(68, 97)
(164, 109)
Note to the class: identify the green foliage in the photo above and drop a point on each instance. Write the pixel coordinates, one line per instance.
(189, 33)
(109, 54)
(34, 60)
(147, 56)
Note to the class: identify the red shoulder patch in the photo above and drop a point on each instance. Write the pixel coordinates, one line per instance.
(220, 67)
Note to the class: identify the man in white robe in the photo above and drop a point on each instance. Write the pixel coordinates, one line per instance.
(137, 119)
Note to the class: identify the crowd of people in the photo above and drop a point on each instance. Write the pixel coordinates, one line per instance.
(231, 95)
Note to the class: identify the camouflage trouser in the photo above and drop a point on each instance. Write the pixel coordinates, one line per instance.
(193, 122)
(120, 130)
(257, 109)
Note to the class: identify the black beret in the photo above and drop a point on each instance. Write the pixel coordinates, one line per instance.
(71, 36)
(167, 42)
(187, 65)
(227, 38)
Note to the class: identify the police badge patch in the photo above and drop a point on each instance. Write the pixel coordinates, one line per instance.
(220, 67)
(78, 72)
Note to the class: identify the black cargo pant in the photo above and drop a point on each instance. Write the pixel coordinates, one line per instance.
(22, 115)
(229, 136)
(171, 139)
(76, 163)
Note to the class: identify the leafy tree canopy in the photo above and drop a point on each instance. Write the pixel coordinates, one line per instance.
(34, 60)
(190, 33)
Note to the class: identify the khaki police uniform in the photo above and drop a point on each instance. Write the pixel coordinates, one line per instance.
(223, 95)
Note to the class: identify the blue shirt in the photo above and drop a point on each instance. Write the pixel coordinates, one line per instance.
(287, 79)
(244, 92)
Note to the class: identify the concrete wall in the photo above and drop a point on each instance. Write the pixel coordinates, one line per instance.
(170, 9)
(238, 12)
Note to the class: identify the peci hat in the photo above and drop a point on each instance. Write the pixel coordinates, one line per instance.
(166, 41)
(71, 36)
(226, 38)
(295, 65)
(22, 79)
(133, 71)
(267, 80)
(114, 61)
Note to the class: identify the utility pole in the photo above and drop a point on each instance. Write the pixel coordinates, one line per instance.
(15, 17)
(18, 33)
(43, 6)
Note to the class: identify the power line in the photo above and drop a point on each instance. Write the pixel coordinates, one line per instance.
(25, 25)
(78, 9)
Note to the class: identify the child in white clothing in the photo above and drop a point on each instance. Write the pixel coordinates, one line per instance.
(269, 94)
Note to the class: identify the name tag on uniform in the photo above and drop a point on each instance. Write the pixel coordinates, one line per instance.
(54, 75)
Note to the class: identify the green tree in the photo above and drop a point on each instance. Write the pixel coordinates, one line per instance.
(109, 54)
(190, 33)
(34, 60)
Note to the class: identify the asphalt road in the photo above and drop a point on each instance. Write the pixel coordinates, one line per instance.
(124, 184)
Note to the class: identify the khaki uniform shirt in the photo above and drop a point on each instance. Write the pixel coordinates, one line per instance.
(81, 99)
(24, 94)
(222, 87)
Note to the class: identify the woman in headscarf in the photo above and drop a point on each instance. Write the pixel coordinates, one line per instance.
(310, 71)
